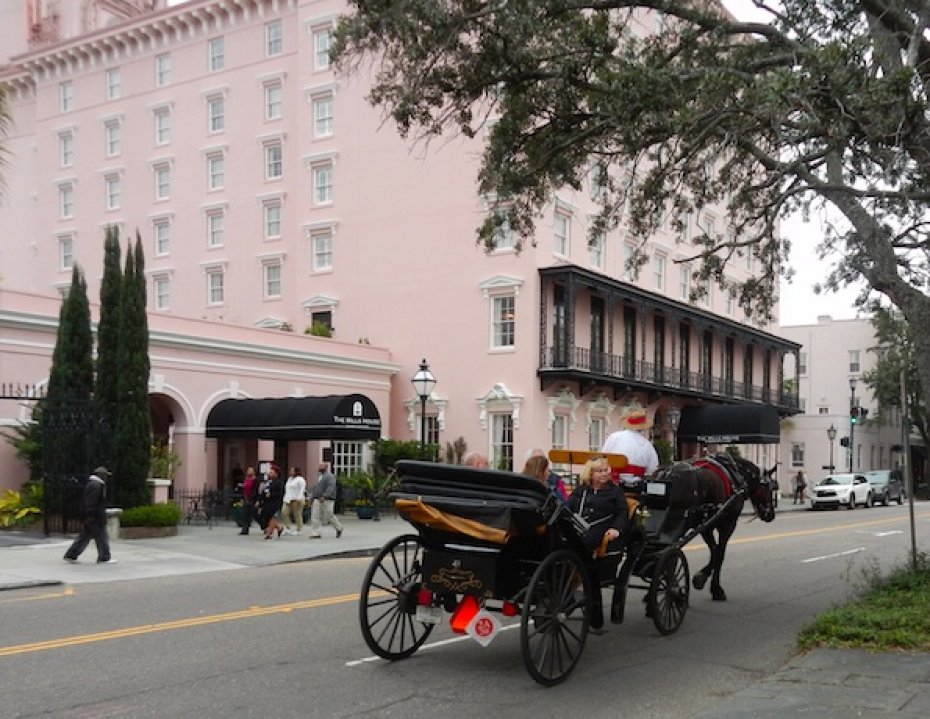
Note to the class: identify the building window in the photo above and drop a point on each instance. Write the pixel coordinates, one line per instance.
(854, 361)
(559, 433)
(161, 230)
(215, 228)
(66, 201)
(65, 96)
(729, 299)
(274, 96)
(323, 116)
(322, 319)
(162, 126)
(112, 191)
(323, 184)
(271, 219)
(274, 158)
(596, 253)
(706, 297)
(162, 69)
(274, 38)
(560, 239)
(710, 226)
(823, 410)
(504, 236)
(503, 321)
(66, 149)
(114, 83)
(161, 292)
(216, 171)
(802, 363)
(322, 41)
(596, 434)
(684, 282)
(797, 454)
(162, 182)
(597, 182)
(322, 251)
(659, 270)
(215, 292)
(65, 252)
(216, 114)
(272, 279)
(432, 429)
(686, 221)
(629, 250)
(113, 136)
(216, 54)
(348, 457)
(502, 441)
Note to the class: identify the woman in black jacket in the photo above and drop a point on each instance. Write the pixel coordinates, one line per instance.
(271, 501)
(600, 503)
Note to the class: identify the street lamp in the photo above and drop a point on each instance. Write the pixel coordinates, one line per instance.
(423, 383)
(852, 421)
(831, 435)
(674, 417)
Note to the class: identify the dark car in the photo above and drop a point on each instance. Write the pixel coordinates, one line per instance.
(887, 485)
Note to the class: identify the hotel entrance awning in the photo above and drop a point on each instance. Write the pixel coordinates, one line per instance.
(729, 424)
(350, 416)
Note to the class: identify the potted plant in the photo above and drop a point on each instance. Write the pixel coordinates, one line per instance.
(364, 492)
(163, 462)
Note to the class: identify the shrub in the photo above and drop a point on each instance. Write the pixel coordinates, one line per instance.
(14, 511)
(151, 515)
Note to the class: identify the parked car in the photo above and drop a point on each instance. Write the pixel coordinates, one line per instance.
(887, 484)
(846, 490)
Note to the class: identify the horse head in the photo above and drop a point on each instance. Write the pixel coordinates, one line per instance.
(760, 488)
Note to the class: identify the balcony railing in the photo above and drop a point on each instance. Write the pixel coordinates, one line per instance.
(619, 368)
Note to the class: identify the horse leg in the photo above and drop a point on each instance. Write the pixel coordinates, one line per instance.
(700, 578)
(724, 532)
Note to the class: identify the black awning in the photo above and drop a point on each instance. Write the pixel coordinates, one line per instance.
(336, 416)
(729, 424)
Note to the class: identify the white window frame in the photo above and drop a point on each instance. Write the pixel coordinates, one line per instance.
(216, 54)
(561, 233)
(112, 138)
(113, 191)
(272, 279)
(323, 180)
(274, 38)
(802, 363)
(65, 252)
(323, 118)
(216, 171)
(162, 120)
(559, 430)
(321, 250)
(216, 114)
(729, 301)
(161, 174)
(161, 236)
(66, 96)
(501, 424)
(272, 219)
(660, 262)
(66, 148)
(596, 252)
(322, 40)
(505, 239)
(113, 83)
(596, 434)
(626, 271)
(504, 321)
(66, 200)
(161, 292)
(162, 69)
(684, 282)
(797, 454)
(274, 160)
(855, 361)
(273, 92)
(216, 289)
(216, 227)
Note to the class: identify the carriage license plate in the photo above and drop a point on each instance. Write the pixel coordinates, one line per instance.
(656, 488)
(429, 615)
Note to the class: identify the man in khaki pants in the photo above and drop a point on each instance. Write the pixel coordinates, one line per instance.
(324, 501)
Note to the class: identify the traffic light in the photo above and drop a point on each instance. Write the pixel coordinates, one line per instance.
(853, 415)
(844, 441)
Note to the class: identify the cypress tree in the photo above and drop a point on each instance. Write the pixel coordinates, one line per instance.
(133, 428)
(106, 397)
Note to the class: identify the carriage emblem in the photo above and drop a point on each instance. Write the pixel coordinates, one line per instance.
(455, 579)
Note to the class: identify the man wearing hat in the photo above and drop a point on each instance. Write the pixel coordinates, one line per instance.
(630, 441)
(94, 517)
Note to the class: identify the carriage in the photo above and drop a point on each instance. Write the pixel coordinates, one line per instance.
(493, 544)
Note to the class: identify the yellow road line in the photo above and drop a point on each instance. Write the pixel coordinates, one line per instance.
(249, 613)
(66, 592)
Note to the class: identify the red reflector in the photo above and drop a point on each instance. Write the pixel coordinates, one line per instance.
(463, 614)
(424, 597)
(509, 609)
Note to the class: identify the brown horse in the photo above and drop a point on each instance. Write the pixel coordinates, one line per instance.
(721, 482)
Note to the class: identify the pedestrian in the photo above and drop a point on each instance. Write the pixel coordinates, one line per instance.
(324, 502)
(271, 502)
(249, 492)
(800, 484)
(93, 519)
(631, 442)
(292, 511)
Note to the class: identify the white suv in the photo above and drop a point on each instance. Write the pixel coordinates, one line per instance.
(845, 490)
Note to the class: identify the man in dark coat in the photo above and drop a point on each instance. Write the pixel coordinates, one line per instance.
(94, 519)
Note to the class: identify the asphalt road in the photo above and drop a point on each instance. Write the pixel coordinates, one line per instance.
(283, 641)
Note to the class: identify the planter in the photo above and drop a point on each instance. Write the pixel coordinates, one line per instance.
(365, 512)
(147, 532)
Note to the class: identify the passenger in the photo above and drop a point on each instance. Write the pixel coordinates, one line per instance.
(630, 441)
(555, 482)
(600, 503)
(537, 467)
(476, 459)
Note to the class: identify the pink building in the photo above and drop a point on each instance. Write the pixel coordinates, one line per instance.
(269, 195)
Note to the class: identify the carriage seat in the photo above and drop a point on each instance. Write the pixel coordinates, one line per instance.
(669, 501)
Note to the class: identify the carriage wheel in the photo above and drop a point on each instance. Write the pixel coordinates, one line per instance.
(668, 592)
(556, 615)
(388, 624)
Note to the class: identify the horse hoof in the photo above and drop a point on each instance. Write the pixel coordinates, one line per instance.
(698, 582)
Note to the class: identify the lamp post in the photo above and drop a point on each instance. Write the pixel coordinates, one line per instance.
(674, 417)
(852, 421)
(423, 383)
(831, 435)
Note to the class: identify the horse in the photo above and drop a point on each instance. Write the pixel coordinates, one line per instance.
(711, 482)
